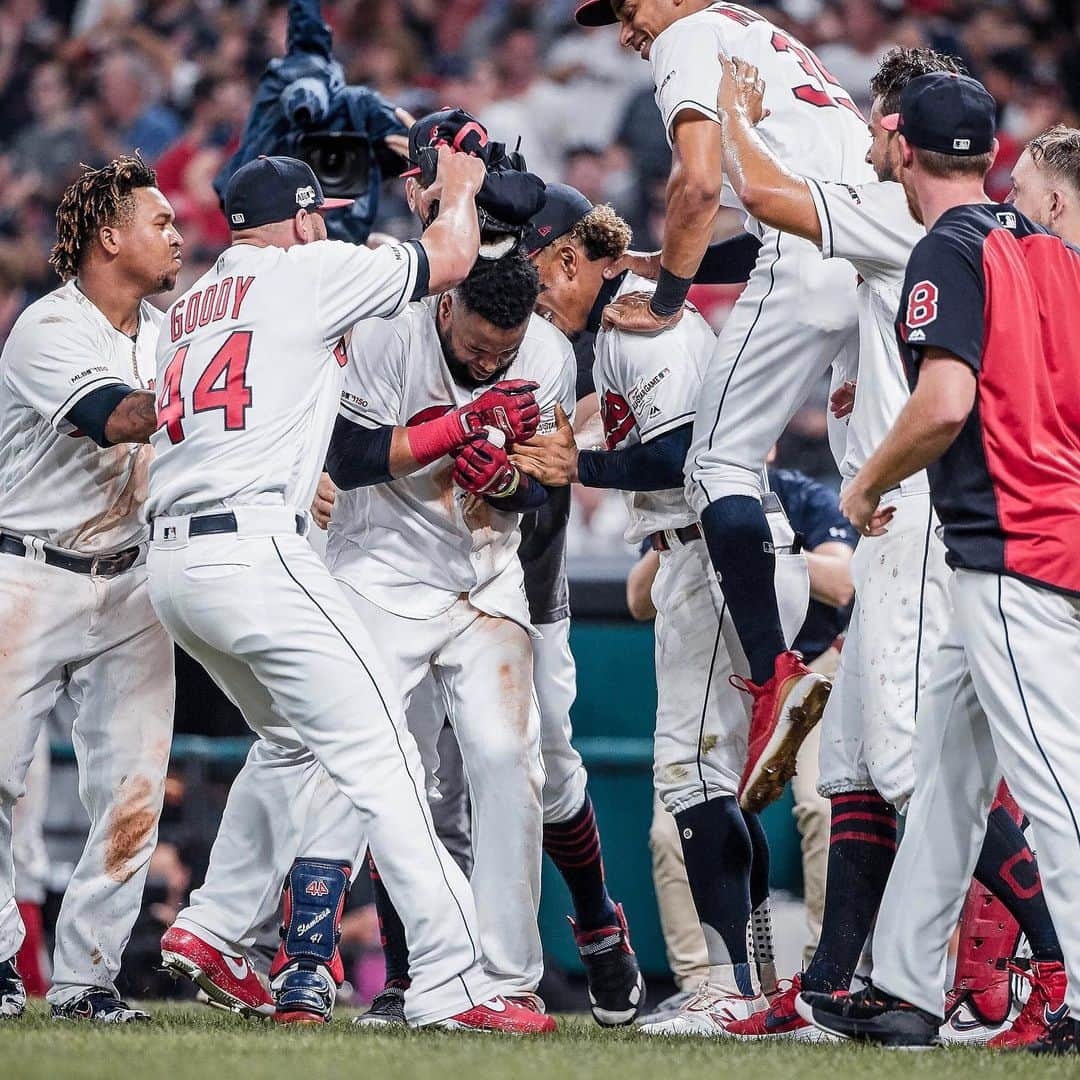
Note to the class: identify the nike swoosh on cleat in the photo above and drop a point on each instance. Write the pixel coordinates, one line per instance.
(238, 967)
(1054, 1016)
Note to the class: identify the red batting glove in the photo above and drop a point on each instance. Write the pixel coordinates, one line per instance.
(484, 469)
(508, 406)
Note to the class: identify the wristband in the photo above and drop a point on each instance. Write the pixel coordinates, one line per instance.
(434, 439)
(670, 293)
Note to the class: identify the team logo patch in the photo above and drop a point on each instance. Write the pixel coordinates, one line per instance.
(317, 888)
(1006, 218)
(961, 144)
(916, 336)
(617, 417)
(922, 306)
(642, 391)
(305, 196)
(238, 219)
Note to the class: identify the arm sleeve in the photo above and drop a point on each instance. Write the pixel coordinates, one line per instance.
(729, 262)
(373, 392)
(653, 466)
(91, 413)
(943, 300)
(357, 283)
(868, 224)
(358, 455)
(51, 368)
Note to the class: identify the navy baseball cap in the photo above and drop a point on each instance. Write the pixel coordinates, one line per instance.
(596, 13)
(563, 208)
(271, 189)
(947, 113)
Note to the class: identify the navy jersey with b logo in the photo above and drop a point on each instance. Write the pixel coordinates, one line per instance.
(1003, 295)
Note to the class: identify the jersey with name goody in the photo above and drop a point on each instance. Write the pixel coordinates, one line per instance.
(57, 484)
(249, 370)
(999, 293)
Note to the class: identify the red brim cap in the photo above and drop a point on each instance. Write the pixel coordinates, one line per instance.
(596, 13)
(414, 171)
(891, 122)
(334, 204)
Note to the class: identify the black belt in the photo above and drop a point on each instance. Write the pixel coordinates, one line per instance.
(101, 565)
(209, 524)
(683, 535)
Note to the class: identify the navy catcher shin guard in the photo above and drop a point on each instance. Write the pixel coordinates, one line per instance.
(308, 969)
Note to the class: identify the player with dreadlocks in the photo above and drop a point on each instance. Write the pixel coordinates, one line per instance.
(76, 415)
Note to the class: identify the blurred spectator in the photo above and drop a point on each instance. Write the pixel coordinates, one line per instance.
(854, 56)
(128, 114)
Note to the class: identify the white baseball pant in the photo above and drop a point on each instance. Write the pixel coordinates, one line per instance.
(795, 318)
(1003, 700)
(702, 721)
(98, 639)
(897, 626)
(260, 611)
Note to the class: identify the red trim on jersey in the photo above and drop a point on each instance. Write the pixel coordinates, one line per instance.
(1029, 404)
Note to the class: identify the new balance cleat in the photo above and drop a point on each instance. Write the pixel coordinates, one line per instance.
(1063, 1037)
(667, 1008)
(616, 986)
(707, 1014)
(1044, 1007)
(871, 1016)
(100, 1006)
(387, 1009)
(12, 991)
(780, 1021)
(500, 1015)
(229, 982)
(785, 711)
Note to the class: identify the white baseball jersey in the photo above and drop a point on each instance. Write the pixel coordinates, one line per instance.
(55, 483)
(649, 386)
(814, 126)
(415, 544)
(249, 370)
(871, 227)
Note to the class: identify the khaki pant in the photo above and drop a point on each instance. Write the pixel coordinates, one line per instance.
(679, 921)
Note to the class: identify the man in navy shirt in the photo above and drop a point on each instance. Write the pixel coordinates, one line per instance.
(990, 333)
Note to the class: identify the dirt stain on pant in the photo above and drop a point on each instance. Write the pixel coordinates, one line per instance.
(130, 825)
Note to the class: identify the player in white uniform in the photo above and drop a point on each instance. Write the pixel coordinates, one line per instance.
(795, 318)
(648, 388)
(249, 377)
(901, 607)
(76, 412)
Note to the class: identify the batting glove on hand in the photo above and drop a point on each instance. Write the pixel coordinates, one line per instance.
(484, 469)
(508, 406)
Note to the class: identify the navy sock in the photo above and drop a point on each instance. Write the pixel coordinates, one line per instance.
(740, 547)
(717, 850)
(392, 930)
(1007, 867)
(862, 847)
(574, 847)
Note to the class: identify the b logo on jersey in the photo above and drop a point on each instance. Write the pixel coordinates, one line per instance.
(617, 418)
(922, 305)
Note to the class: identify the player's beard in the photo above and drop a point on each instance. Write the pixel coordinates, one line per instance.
(459, 370)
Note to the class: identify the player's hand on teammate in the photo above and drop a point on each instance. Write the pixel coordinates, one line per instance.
(508, 405)
(323, 506)
(461, 174)
(862, 508)
(742, 89)
(633, 313)
(843, 399)
(551, 459)
(645, 264)
(483, 468)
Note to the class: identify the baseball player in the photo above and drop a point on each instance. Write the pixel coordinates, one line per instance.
(989, 340)
(76, 413)
(647, 390)
(795, 318)
(249, 376)
(900, 577)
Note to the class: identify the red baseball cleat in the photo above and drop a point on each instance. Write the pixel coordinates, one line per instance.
(785, 710)
(778, 1021)
(1044, 1007)
(228, 981)
(500, 1014)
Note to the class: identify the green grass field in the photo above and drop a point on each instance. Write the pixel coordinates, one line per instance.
(195, 1043)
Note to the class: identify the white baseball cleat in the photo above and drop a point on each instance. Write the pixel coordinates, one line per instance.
(707, 1014)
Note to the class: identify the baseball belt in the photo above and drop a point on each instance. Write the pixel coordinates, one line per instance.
(100, 565)
(210, 524)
